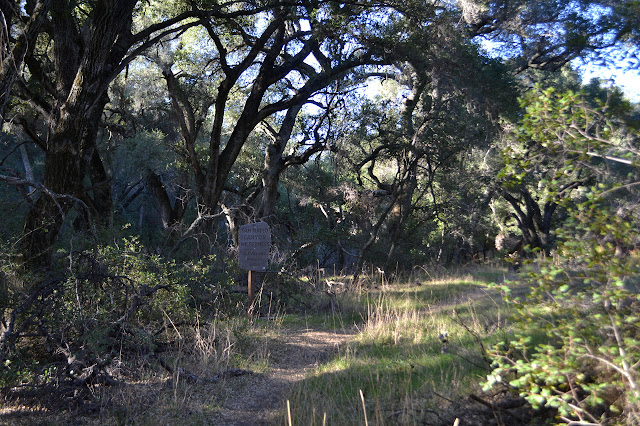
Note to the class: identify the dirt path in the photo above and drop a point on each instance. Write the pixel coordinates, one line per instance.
(250, 399)
(258, 399)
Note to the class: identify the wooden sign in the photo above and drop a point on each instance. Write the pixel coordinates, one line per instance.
(254, 245)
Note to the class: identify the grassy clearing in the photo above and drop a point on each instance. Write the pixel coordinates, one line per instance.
(416, 353)
(396, 358)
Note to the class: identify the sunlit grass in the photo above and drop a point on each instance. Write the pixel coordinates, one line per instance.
(417, 347)
(396, 356)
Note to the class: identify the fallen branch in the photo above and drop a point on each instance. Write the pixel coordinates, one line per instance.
(503, 407)
(191, 377)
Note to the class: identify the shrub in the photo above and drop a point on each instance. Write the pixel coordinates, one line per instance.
(576, 348)
(64, 330)
(577, 345)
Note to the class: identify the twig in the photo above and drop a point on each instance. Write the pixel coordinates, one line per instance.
(364, 408)
(496, 408)
(478, 341)
(191, 377)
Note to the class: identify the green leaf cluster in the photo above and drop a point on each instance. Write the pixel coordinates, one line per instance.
(108, 302)
(576, 348)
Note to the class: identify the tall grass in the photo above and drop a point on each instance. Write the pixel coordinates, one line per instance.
(150, 395)
(396, 369)
(418, 350)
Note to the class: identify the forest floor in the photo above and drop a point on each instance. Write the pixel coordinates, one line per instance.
(259, 399)
(384, 342)
(252, 398)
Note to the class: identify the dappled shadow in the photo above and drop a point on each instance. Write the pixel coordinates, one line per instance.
(298, 357)
(251, 399)
(410, 375)
(259, 399)
(418, 400)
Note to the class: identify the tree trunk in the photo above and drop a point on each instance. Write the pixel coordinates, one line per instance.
(530, 221)
(402, 212)
(273, 167)
(170, 213)
(275, 163)
(28, 171)
(372, 239)
(43, 222)
(98, 196)
(83, 85)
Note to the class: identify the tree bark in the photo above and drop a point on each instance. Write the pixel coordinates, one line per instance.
(275, 164)
(373, 236)
(90, 43)
(98, 196)
(170, 213)
(28, 171)
(402, 212)
(72, 145)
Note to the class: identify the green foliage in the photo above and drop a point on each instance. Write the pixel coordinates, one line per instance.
(398, 359)
(565, 142)
(417, 148)
(112, 301)
(561, 133)
(548, 144)
(584, 310)
(577, 344)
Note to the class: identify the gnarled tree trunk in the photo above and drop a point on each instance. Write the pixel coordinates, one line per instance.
(82, 86)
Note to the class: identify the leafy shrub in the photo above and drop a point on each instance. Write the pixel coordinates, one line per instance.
(67, 328)
(584, 310)
(576, 349)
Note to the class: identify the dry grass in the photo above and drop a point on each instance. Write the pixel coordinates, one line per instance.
(392, 365)
(150, 395)
(418, 352)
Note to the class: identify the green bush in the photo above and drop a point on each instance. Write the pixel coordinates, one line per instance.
(576, 348)
(100, 304)
(577, 345)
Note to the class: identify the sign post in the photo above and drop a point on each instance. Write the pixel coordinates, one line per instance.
(254, 245)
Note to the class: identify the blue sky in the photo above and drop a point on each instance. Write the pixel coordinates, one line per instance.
(628, 81)
(619, 69)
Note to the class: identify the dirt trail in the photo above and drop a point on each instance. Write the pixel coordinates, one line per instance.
(246, 400)
(258, 399)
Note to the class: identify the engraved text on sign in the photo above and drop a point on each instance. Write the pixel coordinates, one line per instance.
(254, 244)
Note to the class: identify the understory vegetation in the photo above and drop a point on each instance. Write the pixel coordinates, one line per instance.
(427, 348)
(416, 351)
(416, 357)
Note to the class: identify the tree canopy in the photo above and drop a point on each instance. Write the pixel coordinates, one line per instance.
(138, 136)
(232, 69)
